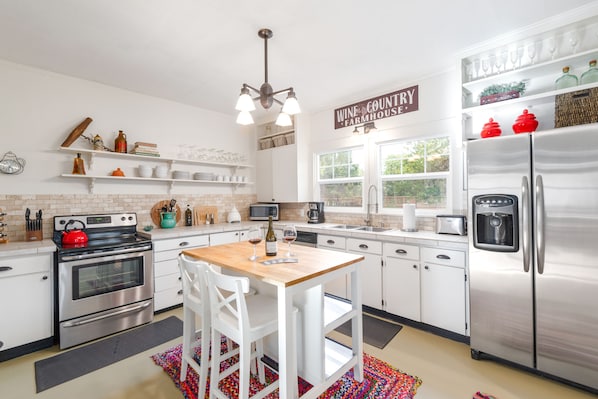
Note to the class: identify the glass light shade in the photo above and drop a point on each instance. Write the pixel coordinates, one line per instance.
(291, 105)
(283, 120)
(356, 131)
(244, 118)
(245, 103)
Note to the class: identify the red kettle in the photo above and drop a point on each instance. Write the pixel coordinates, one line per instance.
(72, 237)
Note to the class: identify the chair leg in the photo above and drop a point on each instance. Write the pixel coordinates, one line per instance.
(205, 357)
(188, 338)
(259, 349)
(244, 369)
(215, 364)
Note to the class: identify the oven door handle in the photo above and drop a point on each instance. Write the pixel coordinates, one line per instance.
(129, 309)
(97, 254)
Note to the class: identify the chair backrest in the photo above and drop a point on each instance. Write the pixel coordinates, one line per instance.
(227, 301)
(195, 288)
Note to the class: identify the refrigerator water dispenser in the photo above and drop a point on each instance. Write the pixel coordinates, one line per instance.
(495, 222)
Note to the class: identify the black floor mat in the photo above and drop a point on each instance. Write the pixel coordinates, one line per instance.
(80, 361)
(376, 332)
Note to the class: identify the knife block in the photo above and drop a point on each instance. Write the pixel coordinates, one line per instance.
(34, 235)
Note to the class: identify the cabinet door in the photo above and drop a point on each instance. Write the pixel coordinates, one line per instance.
(263, 176)
(371, 280)
(401, 288)
(27, 311)
(284, 174)
(443, 297)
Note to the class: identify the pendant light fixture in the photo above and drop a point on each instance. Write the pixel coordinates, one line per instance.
(367, 127)
(245, 104)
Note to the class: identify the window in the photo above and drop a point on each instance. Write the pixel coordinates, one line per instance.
(415, 172)
(340, 177)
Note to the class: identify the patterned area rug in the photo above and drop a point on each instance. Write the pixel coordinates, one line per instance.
(381, 380)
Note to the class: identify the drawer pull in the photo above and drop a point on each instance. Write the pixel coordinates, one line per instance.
(183, 243)
(363, 246)
(445, 257)
(45, 278)
(426, 267)
(5, 268)
(415, 266)
(401, 251)
(331, 242)
(180, 292)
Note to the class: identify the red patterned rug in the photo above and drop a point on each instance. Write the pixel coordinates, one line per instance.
(381, 380)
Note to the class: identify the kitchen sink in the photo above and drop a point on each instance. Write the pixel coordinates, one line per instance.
(373, 229)
(345, 226)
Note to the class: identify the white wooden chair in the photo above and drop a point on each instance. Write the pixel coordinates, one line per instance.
(196, 303)
(245, 320)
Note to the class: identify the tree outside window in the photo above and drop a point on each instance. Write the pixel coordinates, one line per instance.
(415, 172)
(340, 177)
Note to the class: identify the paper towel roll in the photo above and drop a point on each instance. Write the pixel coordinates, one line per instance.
(409, 217)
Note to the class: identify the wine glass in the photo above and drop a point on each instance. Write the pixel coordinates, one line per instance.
(255, 237)
(504, 57)
(551, 47)
(289, 234)
(574, 40)
(514, 58)
(476, 64)
(531, 52)
(485, 66)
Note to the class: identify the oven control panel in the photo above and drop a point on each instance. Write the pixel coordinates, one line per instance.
(95, 221)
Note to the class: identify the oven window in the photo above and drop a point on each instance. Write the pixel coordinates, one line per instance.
(103, 277)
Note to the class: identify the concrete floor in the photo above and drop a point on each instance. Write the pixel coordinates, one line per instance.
(444, 365)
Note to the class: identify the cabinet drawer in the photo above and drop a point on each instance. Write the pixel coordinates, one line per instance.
(19, 265)
(336, 242)
(181, 243)
(441, 256)
(169, 281)
(402, 251)
(167, 298)
(365, 246)
(170, 266)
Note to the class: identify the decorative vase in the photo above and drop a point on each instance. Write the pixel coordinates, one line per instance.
(167, 220)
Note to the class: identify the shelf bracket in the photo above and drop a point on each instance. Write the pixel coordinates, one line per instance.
(171, 187)
(91, 160)
(92, 184)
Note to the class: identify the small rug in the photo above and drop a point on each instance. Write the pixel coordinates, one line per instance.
(376, 332)
(71, 364)
(381, 380)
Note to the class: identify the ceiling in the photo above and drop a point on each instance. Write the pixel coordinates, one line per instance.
(198, 52)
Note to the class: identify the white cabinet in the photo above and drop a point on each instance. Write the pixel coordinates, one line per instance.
(339, 286)
(508, 61)
(443, 289)
(168, 288)
(371, 270)
(400, 277)
(227, 237)
(283, 173)
(26, 298)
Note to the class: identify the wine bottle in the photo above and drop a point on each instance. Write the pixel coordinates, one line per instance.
(271, 243)
(188, 217)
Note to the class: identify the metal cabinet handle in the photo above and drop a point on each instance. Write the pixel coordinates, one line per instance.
(331, 242)
(180, 292)
(415, 266)
(540, 217)
(45, 278)
(426, 267)
(5, 268)
(525, 218)
(401, 251)
(183, 243)
(442, 256)
(363, 246)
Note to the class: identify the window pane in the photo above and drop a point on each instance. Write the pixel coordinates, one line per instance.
(342, 194)
(424, 193)
(326, 173)
(341, 164)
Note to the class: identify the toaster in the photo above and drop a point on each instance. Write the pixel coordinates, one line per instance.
(451, 224)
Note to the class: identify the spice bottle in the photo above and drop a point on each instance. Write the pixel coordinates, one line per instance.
(591, 75)
(566, 80)
(78, 165)
(120, 143)
(188, 217)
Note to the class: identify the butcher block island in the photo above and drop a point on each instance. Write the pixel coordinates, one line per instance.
(300, 284)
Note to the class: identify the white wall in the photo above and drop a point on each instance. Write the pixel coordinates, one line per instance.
(38, 109)
(438, 114)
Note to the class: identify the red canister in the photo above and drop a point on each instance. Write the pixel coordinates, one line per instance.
(490, 129)
(525, 123)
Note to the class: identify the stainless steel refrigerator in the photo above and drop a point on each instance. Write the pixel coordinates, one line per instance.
(533, 251)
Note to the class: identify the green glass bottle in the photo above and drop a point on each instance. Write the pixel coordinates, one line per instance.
(591, 75)
(566, 80)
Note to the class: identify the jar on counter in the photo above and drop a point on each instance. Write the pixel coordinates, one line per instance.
(591, 75)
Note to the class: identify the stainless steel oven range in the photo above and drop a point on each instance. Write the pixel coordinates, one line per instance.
(103, 285)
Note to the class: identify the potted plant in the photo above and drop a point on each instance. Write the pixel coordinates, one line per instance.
(501, 92)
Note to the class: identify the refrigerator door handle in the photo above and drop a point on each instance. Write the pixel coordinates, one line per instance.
(540, 244)
(525, 199)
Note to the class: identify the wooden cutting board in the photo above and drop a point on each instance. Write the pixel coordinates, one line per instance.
(199, 214)
(157, 208)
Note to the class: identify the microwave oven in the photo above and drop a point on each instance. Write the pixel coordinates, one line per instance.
(263, 211)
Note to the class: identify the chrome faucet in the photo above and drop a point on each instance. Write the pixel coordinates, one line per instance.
(368, 220)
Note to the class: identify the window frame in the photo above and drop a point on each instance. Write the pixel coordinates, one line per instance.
(361, 179)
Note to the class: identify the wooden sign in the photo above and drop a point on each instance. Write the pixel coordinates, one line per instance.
(384, 106)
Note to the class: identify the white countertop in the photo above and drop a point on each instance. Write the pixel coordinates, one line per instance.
(26, 248)
(419, 237)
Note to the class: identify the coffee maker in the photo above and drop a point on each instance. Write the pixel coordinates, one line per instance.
(315, 213)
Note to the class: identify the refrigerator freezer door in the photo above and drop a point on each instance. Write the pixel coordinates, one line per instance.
(566, 168)
(501, 300)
